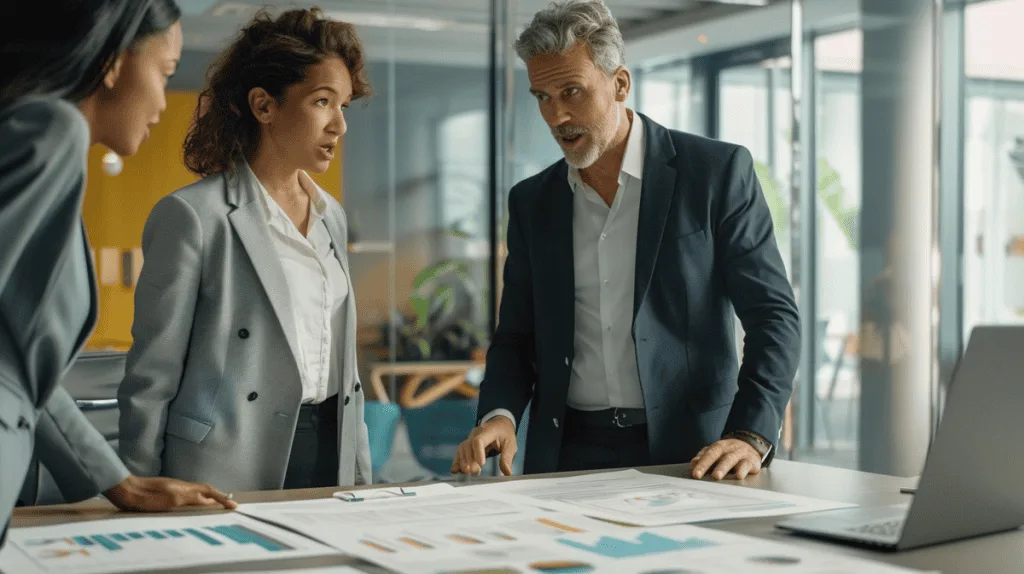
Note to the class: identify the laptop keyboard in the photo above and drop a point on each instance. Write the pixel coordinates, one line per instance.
(883, 528)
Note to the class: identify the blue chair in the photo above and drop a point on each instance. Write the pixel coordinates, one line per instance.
(435, 431)
(381, 419)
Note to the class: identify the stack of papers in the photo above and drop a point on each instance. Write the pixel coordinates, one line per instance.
(632, 497)
(471, 531)
(521, 527)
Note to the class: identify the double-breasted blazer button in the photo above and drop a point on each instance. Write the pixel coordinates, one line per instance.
(358, 387)
(252, 396)
(347, 399)
(243, 333)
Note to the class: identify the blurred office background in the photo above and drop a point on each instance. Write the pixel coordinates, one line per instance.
(899, 236)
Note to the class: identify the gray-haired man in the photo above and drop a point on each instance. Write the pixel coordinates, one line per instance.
(626, 261)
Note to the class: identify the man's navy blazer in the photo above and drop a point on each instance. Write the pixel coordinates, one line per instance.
(705, 250)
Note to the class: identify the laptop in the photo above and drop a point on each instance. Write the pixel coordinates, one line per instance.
(971, 483)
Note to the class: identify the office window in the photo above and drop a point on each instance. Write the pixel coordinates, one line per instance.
(462, 163)
(837, 69)
(664, 95)
(755, 111)
(993, 274)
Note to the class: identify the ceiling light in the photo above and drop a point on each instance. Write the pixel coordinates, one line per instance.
(741, 2)
(383, 20)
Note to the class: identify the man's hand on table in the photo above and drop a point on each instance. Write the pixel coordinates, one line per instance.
(496, 436)
(159, 494)
(725, 456)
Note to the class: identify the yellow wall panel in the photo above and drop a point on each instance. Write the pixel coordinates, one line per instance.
(116, 207)
(331, 179)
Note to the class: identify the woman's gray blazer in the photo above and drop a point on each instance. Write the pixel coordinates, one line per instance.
(212, 387)
(47, 303)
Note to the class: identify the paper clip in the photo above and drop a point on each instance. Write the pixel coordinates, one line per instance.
(376, 494)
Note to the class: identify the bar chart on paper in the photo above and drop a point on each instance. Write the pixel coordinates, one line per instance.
(142, 543)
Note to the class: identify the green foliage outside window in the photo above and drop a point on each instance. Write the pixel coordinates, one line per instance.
(830, 191)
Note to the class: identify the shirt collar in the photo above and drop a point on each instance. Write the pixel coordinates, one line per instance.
(632, 156)
(271, 210)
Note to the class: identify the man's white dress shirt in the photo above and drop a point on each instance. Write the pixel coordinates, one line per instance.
(604, 370)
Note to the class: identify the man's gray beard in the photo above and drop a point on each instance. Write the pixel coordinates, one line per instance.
(590, 155)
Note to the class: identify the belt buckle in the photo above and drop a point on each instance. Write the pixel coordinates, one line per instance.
(619, 418)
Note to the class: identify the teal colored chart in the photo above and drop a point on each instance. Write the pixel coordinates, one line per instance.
(645, 544)
(57, 548)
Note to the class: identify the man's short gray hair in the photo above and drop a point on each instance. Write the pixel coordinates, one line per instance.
(557, 28)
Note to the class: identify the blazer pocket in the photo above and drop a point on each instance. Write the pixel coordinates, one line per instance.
(712, 397)
(689, 233)
(187, 428)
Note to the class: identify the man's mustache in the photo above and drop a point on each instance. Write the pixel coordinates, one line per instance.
(564, 131)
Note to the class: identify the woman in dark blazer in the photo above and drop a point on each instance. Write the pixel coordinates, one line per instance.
(242, 370)
(112, 59)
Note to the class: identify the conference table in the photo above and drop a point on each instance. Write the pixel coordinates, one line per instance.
(993, 554)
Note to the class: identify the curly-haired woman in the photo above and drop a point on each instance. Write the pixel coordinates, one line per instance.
(243, 367)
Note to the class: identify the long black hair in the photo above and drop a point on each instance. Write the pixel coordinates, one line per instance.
(64, 48)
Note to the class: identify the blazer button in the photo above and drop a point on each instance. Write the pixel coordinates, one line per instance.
(357, 387)
(347, 399)
(243, 333)
(252, 396)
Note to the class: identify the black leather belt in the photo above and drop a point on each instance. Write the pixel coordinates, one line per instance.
(608, 418)
(313, 412)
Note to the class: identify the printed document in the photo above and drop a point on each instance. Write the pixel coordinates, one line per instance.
(466, 533)
(632, 497)
(151, 543)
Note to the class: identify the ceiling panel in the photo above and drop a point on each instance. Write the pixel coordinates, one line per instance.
(444, 31)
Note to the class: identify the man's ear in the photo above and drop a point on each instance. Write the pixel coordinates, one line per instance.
(623, 83)
(110, 78)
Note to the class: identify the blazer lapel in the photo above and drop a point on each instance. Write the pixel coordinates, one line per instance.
(659, 186)
(251, 227)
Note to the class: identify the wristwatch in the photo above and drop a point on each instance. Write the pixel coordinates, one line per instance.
(763, 447)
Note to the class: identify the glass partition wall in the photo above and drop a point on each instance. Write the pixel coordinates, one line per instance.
(423, 176)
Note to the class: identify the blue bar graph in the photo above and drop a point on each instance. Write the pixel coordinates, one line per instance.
(243, 535)
(205, 538)
(157, 544)
(106, 542)
(646, 544)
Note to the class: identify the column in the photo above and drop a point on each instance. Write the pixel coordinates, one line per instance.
(897, 236)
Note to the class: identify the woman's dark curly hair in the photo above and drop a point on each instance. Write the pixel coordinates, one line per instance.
(272, 54)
